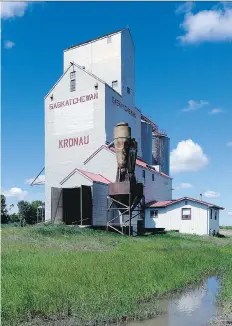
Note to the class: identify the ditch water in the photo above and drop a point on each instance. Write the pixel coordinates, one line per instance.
(193, 307)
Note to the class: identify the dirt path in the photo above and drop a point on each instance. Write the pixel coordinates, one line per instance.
(226, 233)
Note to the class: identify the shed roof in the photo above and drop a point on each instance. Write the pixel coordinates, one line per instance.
(89, 175)
(94, 177)
(165, 203)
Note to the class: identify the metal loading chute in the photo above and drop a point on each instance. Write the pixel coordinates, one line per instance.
(125, 194)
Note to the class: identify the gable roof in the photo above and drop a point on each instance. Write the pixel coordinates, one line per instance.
(98, 38)
(165, 203)
(89, 175)
(139, 161)
(79, 67)
(87, 72)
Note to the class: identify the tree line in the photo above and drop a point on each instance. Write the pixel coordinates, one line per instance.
(27, 212)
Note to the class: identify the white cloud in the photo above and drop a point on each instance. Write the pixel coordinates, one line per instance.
(211, 194)
(194, 105)
(215, 111)
(184, 185)
(9, 44)
(229, 144)
(16, 192)
(213, 25)
(39, 180)
(13, 9)
(187, 156)
(185, 7)
(230, 213)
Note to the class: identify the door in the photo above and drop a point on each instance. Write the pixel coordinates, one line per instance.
(71, 206)
(56, 204)
(86, 205)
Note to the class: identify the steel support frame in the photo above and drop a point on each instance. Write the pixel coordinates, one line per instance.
(126, 209)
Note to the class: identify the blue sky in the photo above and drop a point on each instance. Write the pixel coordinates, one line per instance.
(183, 82)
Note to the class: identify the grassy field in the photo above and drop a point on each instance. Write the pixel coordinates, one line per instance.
(97, 276)
(226, 227)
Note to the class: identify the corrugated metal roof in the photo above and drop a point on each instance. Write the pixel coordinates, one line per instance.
(165, 203)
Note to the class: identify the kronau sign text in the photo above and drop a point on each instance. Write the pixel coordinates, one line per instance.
(77, 141)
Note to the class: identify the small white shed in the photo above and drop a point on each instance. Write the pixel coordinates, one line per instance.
(185, 215)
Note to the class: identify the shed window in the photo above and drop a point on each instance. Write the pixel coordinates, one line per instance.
(128, 90)
(153, 177)
(186, 213)
(211, 214)
(215, 215)
(154, 213)
(72, 85)
(114, 83)
(72, 74)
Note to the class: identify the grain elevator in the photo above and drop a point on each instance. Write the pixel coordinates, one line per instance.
(96, 92)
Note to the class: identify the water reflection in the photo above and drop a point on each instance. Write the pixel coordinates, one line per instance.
(194, 307)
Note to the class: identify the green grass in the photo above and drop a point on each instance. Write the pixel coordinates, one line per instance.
(94, 275)
(226, 227)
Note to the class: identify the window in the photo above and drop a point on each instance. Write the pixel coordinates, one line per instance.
(153, 177)
(109, 39)
(186, 213)
(114, 83)
(128, 90)
(186, 202)
(154, 213)
(215, 214)
(72, 85)
(72, 74)
(144, 174)
(211, 214)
